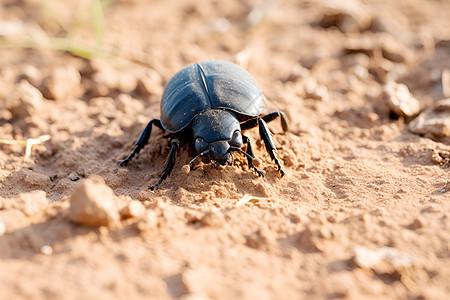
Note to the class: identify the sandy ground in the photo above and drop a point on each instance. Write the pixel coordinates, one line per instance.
(363, 212)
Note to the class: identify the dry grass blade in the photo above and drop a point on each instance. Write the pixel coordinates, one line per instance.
(28, 144)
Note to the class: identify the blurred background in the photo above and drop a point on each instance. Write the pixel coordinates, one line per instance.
(84, 77)
(306, 49)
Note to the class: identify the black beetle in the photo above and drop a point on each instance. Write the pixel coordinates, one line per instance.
(209, 103)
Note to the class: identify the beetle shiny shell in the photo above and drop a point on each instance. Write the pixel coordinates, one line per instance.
(209, 85)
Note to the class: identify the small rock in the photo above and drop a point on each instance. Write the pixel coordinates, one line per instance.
(2, 228)
(148, 222)
(443, 105)
(32, 74)
(24, 101)
(348, 16)
(213, 219)
(92, 203)
(446, 188)
(185, 169)
(134, 209)
(436, 158)
(32, 203)
(434, 121)
(261, 239)
(63, 83)
(73, 176)
(315, 91)
(417, 223)
(257, 162)
(395, 51)
(400, 100)
(369, 259)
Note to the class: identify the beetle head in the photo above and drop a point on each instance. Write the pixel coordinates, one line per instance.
(217, 133)
(220, 151)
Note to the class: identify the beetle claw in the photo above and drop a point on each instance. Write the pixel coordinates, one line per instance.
(258, 171)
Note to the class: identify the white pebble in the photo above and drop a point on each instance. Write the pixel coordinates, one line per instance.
(2, 228)
(46, 250)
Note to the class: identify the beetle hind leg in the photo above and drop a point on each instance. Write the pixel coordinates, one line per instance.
(142, 141)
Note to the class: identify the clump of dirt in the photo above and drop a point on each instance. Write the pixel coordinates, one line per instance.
(361, 213)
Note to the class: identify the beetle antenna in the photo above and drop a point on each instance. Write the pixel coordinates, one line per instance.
(201, 154)
(240, 150)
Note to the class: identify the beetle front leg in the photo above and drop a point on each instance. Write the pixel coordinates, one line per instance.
(168, 164)
(249, 158)
(270, 144)
(142, 141)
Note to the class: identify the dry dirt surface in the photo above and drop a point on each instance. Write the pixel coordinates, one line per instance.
(363, 212)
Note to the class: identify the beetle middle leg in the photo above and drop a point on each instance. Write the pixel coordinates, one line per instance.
(142, 141)
(168, 164)
(266, 135)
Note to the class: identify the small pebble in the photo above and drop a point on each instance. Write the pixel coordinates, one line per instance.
(73, 176)
(434, 121)
(368, 259)
(46, 250)
(92, 203)
(134, 209)
(24, 101)
(436, 158)
(400, 100)
(185, 169)
(417, 223)
(256, 162)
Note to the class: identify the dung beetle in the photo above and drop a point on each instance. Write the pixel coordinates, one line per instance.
(209, 104)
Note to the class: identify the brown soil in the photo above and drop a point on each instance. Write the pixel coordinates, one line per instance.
(363, 212)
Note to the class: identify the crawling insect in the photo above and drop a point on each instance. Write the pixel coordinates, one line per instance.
(210, 103)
